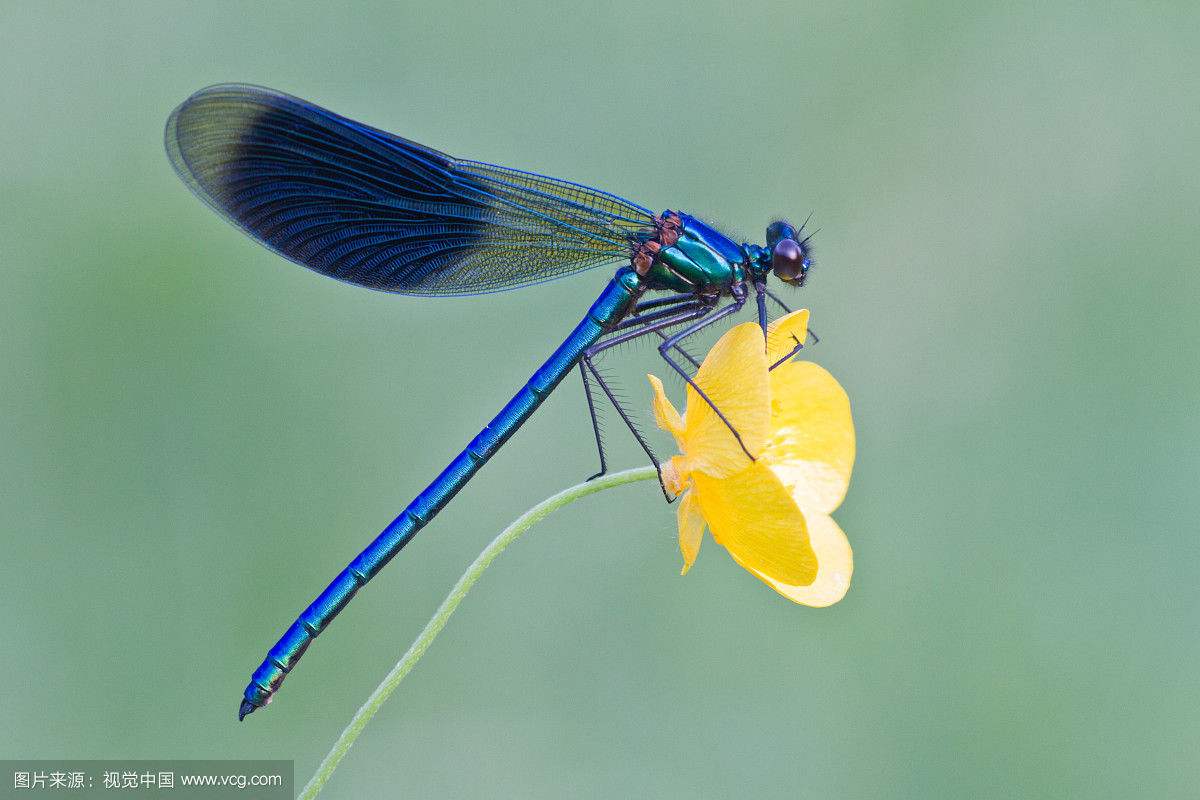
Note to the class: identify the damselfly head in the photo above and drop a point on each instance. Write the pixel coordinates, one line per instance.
(790, 257)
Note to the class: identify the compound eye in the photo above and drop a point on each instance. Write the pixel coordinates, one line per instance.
(787, 260)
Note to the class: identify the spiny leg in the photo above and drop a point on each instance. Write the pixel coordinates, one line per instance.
(631, 329)
(778, 302)
(786, 310)
(638, 318)
(587, 393)
(679, 349)
(586, 361)
(664, 350)
(659, 302)
(681, 315)
(799, 346)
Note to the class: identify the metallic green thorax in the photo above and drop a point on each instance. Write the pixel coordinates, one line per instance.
(700, 257)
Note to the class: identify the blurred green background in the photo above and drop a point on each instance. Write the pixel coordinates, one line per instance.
(196, 435)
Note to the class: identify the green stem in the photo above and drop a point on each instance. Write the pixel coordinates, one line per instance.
(435, 625)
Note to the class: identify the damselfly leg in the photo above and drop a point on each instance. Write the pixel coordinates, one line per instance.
(587, 393)
(816, 339)
(659, 302)
(672, 300)
(702, 315)
(664, 350)
(662, 308)
(638, 316)
(630, 329)
(778, 302)
(799, 346)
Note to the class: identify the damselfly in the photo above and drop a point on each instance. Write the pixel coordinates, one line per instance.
(370, 208)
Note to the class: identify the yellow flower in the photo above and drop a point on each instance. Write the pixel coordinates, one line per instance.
(772, 513)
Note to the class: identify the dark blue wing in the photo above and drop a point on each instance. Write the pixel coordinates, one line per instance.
(371, 208)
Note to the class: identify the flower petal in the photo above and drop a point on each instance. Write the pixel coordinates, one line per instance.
(675, 474)
(664, 412)
(691, 530)
(835, 566)
(812, 435)
(754, 517)
(734, 376)
(785, 333)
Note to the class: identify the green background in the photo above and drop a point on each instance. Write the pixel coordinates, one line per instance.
(196, 435)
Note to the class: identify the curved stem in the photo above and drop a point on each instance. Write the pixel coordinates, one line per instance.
(440, 617)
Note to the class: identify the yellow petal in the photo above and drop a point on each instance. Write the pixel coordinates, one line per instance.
(811, 448)
(752, 515)
(691, 530)
(835, 566)
(664, 413)
(675, 474)
(734, 376)
(785, 333)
